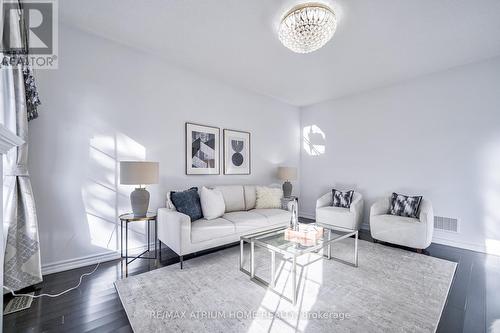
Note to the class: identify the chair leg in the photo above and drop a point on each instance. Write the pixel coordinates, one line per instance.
(159, 249)
(181, 259)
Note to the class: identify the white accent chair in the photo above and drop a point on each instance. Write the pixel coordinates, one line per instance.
(343, 219)
(404, 231)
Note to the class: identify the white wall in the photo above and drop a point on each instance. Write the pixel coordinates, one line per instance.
(107, 102)
(438, 136)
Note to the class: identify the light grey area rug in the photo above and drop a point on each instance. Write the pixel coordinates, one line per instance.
(391, 290)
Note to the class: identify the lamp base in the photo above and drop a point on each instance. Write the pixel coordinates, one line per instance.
(287, 189)
(139, 200)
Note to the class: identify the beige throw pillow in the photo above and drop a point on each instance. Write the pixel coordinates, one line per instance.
(268, 197)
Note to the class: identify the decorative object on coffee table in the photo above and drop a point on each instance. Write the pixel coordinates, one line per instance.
(202, 150)
(139, 173)
(287, 174)
(294, 220)
(286, 201)
(236, 152)
(304, 234)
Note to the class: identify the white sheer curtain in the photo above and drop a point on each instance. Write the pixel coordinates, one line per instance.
(22, 267)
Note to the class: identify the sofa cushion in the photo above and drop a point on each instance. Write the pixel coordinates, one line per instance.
(273, 215)
(203, 229)
(250, 196)
(336, 217)
(212, 203)
(234, 198)
(245, 221)
(187, 202)
(399, 230)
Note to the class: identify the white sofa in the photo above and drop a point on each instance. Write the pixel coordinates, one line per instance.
(184, 237)
(344, 219)
(405, 231)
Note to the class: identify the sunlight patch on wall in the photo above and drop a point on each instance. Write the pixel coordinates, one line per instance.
(101, 232)
(495, 326)
(490, 171)
(313, 140)
(492, 246)
(103, 197)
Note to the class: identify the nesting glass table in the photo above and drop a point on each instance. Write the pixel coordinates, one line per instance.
(279, 241)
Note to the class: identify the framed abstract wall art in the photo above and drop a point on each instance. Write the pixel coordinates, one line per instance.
(202, 150)
(237, 152)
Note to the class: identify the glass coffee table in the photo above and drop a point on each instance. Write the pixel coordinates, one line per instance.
(282, 241)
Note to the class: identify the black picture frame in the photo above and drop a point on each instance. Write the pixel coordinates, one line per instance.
(232, 170)
(189, 169)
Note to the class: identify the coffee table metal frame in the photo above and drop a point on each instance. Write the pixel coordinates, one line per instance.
(254, 239)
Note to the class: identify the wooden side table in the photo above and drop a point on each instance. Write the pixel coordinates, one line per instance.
(130, 218)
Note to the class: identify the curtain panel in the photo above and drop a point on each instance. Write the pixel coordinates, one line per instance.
(22, 265)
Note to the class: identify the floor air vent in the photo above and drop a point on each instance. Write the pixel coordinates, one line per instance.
(445, 224)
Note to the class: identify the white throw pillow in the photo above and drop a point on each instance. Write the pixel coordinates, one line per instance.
(268, 197)
(169, 204)
(212, 203)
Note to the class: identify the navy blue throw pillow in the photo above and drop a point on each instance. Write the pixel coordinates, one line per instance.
(404, 205)
(187, 202)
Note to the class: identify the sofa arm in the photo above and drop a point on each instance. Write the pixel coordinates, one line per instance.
(380, 207)
(357, 205)
(174, 229)
(427, 217)
(325, 200)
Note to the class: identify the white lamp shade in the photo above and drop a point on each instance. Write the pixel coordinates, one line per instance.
(287, 173)
(139, 172)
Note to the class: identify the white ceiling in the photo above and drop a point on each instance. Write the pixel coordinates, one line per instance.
(377, 42)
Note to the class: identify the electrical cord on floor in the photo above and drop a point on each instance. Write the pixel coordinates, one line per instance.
(55, 295)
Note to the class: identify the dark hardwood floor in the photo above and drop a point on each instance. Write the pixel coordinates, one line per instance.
(473, 304)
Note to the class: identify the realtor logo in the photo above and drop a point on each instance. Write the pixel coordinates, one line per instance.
(33, 24)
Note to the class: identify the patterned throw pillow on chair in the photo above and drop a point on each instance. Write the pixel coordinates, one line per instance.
(406, 206)
(342, 199)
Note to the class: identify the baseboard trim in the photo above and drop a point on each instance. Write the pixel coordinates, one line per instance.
(65, 265)
(462, 245)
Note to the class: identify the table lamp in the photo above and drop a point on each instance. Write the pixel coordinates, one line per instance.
(287, 174)
(139, 173)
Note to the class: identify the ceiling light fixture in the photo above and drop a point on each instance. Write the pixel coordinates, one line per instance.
(307, 27)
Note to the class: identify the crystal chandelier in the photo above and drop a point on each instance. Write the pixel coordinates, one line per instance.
(307, 27)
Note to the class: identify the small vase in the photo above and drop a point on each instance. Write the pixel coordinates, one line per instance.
(294, 221)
